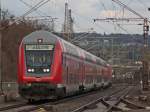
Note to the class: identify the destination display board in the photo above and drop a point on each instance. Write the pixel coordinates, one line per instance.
(39, 47)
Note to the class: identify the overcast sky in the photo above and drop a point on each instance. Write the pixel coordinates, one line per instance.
(83, 12)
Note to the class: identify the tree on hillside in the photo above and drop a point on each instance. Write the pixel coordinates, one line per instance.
(11, 38)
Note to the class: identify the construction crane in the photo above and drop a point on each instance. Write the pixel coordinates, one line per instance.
(68, 24)
(145, 85)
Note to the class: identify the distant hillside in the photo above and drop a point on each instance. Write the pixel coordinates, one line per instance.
(123, 38)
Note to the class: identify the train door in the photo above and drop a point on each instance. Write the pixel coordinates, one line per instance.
(81, 75)
(66, 72)
(70, 74)
(64, 65)
(95, 76)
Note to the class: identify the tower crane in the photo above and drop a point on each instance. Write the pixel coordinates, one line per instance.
(145, 84)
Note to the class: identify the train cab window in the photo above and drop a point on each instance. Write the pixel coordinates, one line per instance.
(39, 58)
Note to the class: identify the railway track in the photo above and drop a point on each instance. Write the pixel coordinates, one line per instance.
(31, 107)
(22, 107)
(110, 104)
(13, 106)
(52, 105)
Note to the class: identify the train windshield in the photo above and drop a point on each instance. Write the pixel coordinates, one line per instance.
(39, 57)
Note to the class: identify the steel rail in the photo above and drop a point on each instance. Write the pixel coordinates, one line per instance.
(101, 99)
(131, 104)
(52, 104)
(13, 106)
(114, 106)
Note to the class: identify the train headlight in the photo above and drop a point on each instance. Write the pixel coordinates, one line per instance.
(47, 70)
(29, 70)
(32, 70)
(44, 70)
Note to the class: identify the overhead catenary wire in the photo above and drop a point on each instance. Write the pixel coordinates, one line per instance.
(102, 4)
(89, 48)
(33, 8)
(30, 6)
(75, 39)
(81, 37)
(88, 20)
(128, 8)
(38, 5)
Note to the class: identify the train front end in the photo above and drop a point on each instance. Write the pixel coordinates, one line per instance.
(38, 76)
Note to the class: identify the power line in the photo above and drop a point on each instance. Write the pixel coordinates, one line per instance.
(102, 4)
(38, 5)
(81, 37)
(30, 6)
(128, 8)
(88, 20)
(145, 84)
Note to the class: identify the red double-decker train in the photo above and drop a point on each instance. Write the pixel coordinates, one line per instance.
(52, 67)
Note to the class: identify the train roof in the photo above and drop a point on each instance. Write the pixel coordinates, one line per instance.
(49, 38)
(46, 36)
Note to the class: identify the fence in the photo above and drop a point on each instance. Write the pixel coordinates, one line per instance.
(9, 86)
